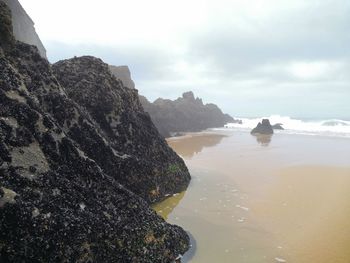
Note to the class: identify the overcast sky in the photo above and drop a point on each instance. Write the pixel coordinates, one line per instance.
(252, 58)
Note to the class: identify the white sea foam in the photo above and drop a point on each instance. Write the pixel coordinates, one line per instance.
(330, 127)
(280, 260)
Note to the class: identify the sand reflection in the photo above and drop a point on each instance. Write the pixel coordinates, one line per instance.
(193, 144)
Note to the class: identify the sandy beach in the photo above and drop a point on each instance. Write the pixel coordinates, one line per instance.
(283, 198)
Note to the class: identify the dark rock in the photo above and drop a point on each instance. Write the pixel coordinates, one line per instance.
(59, 204)
(263, 127)
(277, 126)
(186, 114)
(137, 156)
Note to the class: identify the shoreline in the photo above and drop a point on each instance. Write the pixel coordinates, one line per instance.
(240, 196)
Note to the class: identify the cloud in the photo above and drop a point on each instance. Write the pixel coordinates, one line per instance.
(260, 56)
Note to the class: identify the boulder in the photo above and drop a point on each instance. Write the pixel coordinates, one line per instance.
(263, 127)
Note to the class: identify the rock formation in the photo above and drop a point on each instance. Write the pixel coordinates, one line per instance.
(123, 73)
(139, 158)
(23, 26)
(277, 126)
(65, 164)
(263, 127)
(185, 114)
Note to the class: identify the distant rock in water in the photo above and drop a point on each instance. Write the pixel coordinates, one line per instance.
(185, 114)
(67, 164)
(23, 26)
(263, 127)
(277, 126)
(123, 73)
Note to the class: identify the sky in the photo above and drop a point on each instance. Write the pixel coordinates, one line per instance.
(250, 57)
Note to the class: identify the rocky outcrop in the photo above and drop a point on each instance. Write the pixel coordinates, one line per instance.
(59, 202)
(277, 126)
(123, 74)
(139, 158)
(23, 26)
(263, 127)
(185, 114)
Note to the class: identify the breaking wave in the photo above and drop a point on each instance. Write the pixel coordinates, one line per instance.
(330, 127)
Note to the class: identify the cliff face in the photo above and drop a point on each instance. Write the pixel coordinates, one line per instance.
(59, 200)
(123, 73)
(184, 114)
(23, 26)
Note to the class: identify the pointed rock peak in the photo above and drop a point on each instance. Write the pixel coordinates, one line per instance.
(188, 95)
(266, 122)
(6, 29)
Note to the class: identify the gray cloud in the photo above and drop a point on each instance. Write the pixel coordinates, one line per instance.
(294, 60)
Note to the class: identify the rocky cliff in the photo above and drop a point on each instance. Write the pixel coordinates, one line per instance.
(123, 74)
(184, 114)
(72, 169)
(23, 26)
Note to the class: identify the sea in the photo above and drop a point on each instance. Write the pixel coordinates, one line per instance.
(325, 127)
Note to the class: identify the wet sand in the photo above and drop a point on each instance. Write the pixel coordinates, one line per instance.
(279, 199)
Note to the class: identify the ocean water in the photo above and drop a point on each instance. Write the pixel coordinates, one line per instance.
(326, 127)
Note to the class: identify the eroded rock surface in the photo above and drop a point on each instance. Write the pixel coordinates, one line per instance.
(59, 201)
(137, 156)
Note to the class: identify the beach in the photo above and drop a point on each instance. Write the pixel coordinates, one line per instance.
(280, 198)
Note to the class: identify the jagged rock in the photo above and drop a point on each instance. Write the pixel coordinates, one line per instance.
(139, 158)
(23, 26)
(263, 127)
(185, 114)
(277, 126)
(123, 73)
(57, 204)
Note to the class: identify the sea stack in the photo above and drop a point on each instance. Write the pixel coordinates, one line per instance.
(263, 127)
